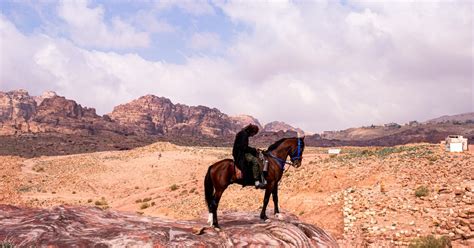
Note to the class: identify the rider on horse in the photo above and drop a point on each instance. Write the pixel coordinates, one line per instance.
(244, 154)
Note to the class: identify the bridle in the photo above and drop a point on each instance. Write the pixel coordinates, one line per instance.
(295, 156)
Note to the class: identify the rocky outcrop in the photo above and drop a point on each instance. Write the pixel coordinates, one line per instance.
(159, 116)
(16, 106)
(244, 120)
(276, 126)
(21, 113)
(78, 226)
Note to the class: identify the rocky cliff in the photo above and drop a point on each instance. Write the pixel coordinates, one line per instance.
(22, 113)
(77, 226)
(276, 126)
(159, 116)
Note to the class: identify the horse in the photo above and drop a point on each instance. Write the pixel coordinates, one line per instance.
(223, 173)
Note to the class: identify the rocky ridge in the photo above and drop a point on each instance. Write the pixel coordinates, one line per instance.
(148, 115)
(28, 122)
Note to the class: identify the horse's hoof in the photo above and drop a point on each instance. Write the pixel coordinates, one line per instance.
(217, 228)
(264, 217)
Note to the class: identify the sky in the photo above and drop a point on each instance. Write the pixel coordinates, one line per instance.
(324, 65)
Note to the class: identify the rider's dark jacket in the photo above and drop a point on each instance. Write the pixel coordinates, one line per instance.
(241, 146)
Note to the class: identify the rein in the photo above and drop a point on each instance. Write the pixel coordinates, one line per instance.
(281, 162)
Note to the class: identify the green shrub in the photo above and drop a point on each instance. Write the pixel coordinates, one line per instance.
(101, 202)
(174, 187)
(6, 244)
(421, 191)
(24, 189)
(430, 242)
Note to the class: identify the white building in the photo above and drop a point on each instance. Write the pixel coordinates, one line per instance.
(334, 151)
(456, 143)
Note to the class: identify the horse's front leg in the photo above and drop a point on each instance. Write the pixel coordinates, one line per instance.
(266, 199)
(275, 199)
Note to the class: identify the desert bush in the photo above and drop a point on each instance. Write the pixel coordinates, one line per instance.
(432, 158)
(6, 244)
(146, 199)
(89, 200)
(138, 201)
(24, 189)
(421, 191)
(144, 205)
(430, 242)
(101, 202)
(153, 204)
(174, 187)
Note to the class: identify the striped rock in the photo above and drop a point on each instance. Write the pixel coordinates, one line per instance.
(80, 226)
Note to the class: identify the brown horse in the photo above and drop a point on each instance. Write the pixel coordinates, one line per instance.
(223, 173)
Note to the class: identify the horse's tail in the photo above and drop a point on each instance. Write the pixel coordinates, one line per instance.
(208, 188)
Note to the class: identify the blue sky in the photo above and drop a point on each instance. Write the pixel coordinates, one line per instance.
(322, 65)
(169, 45)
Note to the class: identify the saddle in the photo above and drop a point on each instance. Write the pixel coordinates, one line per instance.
(245, 175)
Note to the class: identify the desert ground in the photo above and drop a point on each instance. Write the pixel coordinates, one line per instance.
(364, 197)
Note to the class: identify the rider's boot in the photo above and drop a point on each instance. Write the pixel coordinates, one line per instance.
(260, 185)
(256, 174)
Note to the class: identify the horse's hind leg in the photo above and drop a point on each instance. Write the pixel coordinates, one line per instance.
(217, 198)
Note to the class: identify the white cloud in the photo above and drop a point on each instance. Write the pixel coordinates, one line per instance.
(319, 66)
(87, 27)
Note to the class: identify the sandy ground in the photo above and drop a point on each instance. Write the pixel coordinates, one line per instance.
(345, 194)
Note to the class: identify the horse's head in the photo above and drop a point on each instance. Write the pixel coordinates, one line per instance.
(296, 151)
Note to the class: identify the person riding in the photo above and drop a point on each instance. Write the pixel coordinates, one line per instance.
(244, 154)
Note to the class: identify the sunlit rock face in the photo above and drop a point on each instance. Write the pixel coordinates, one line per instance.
(78, 226)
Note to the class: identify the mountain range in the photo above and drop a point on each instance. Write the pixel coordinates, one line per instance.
(31, 123)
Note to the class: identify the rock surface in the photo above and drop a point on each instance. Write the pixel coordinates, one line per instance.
(67, 226)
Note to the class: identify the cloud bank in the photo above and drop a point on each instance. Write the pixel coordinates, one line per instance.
(319, 66)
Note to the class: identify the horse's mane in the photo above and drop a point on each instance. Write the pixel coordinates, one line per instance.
(276, 144)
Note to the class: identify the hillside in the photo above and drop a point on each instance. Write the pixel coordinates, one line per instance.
(365, 196)
(466, 117)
